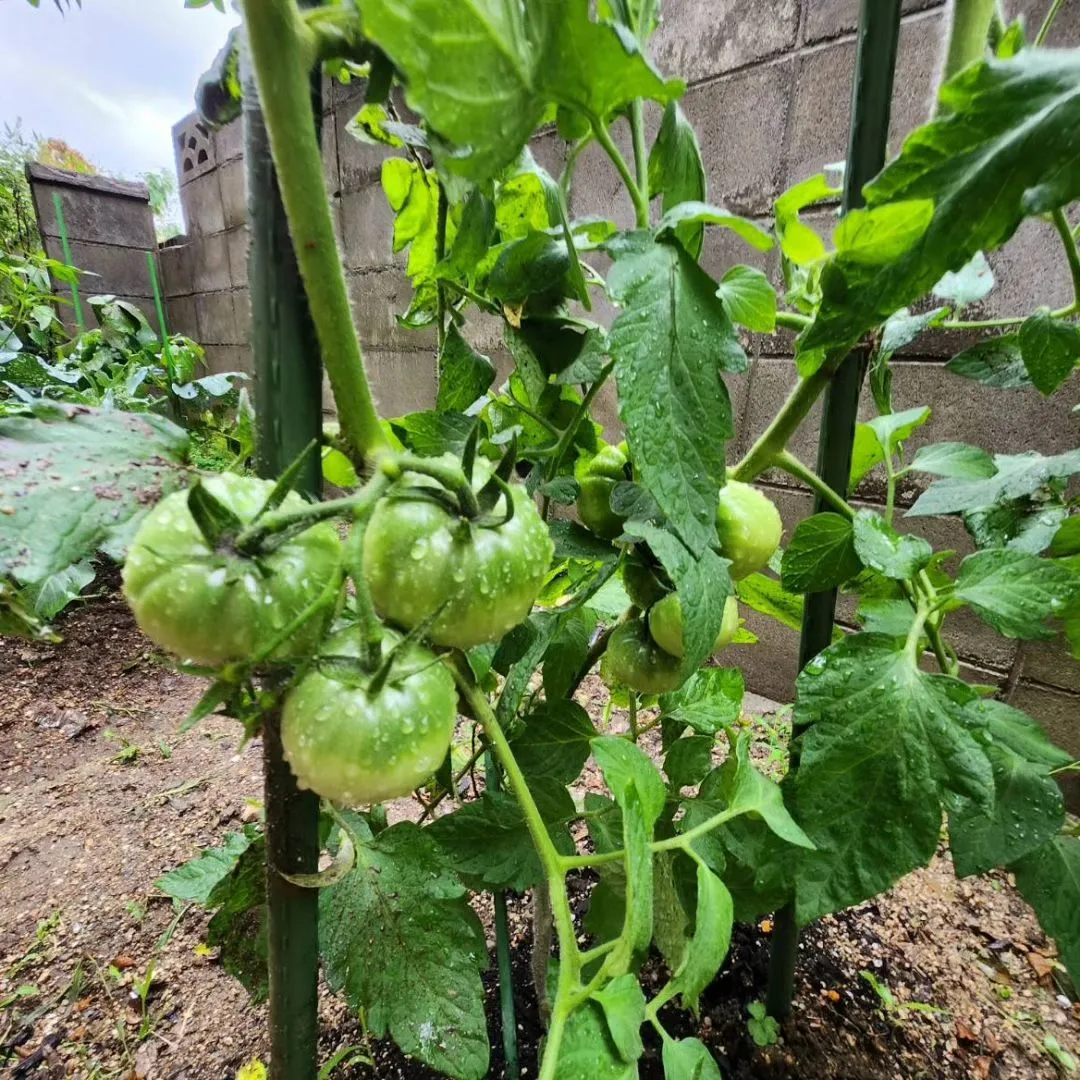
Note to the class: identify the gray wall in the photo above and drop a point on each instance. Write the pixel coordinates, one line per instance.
(110, 228)
(770, 98)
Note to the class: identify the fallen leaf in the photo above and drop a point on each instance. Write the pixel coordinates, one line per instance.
(964, 1033)
(123, 962)
(1041, 966)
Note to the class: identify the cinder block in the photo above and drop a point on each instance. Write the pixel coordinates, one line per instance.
(215, 314)
(211, 263)
(696, 40)
(223, 358)
(232, 182)
(228, 141)
(822, 97)
(242, 305)
(238, 257)
(121, 271)
(367, 229)
(1056, 711)
(201, 202)
(377, 298)
(177, 268)
(724, 249)
(740, 121)
(401, 382)
(94, 216)
(181, 316)
(1050, 662)
(550, 152)
(831, 18)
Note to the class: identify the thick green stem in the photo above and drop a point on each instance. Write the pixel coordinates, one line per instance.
(637, 196)
(282, 54)
(792, 320)
(1048, 22)
(968, 35)
(762, 455)
(641, 151)
(1072, 255)
(450, 476)
(795, 468)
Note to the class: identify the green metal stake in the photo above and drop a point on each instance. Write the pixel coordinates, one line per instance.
(159, 306)
(875, 66)
(76, 303)
(288, 407)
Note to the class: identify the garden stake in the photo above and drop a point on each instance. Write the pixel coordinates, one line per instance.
(151, 266)
(288, 402)
(875, 66)
(76, 303)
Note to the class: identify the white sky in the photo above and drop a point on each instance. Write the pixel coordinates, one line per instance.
(110, 79)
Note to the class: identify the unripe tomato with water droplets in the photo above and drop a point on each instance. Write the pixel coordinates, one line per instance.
(634, 660)
(748, 527)
(216, 606)
(666, 624)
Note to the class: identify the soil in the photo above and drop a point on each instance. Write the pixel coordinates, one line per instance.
(99, 796)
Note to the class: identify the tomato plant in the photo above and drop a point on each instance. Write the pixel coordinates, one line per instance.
(463, 549)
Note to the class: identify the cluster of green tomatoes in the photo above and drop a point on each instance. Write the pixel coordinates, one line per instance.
(371, 709)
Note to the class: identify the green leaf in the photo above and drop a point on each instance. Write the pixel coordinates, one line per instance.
(1026, 525)
(703, 585)
(487, 841)
(430, 434)
(677, 172)
(55, 592)
(881, 235)
(398, 937)
(1014, 592)
(464, 374)
(75, 480)
(821, 554)
(671, 922)
(194, 881)
(624, 764)
(767, 595)
(637, 929)
(866, 452)
(880, 547)
(706, 950)
(700, 213)
(1028, 807)
(590, 360)
(993, 156)
(566, 655)
(973, 282)
(800, 244)
(1050, 349)
(688, 761)
(689, 1059)
(954, 459)
(1017, 475)
(885, 743)
(554, 744)
(710, 700)
(749, 298)
(588, 1052)
(473, 237)
(527, 202)
(998, 363)
(413, 195)
(533, 264)
(623, 1003)
(670, 344)
(1067, 538)
(892, 429)
(891, 617)
(1049, 880)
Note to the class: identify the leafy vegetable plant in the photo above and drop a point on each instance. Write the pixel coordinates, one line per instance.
(462, 564)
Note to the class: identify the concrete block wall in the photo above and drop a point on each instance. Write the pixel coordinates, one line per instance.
(769, 94)
(110, 231)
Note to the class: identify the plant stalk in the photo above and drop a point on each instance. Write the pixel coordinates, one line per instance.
(282, 54)
(637, 196)
(875, 66)
(1072, 255)
(288, 391)
(968, 35)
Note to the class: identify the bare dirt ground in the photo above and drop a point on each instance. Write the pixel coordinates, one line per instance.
(99, 976)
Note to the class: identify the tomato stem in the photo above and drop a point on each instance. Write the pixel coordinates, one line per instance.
(795, 468)
(637, 196)
(1061, 223)
(452, 477)
(283, 51)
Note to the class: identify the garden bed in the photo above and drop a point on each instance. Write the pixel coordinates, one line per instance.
(99, 796)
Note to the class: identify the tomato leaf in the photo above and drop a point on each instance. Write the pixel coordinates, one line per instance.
(749, 298)
(670, 344)
(798, 241)
(710, 700)
(701, 213)
(1049, 880)
(881, 548)
(998, 363)
(677, 172)
(1028, 807)
(239, 926)
(689, 1059)
(194, 881)
(1015, 592)
(1067, 538)
(879, 236)
(973, 282)
(623, 1002)
(588, 1052)
(464, 373)
(706, 950)
(954, 459)
(992, 157)
(688, 761)
(885, 742)
(821, 554)
(1050, 349)
(892, 429)
(624, 764)
(554, 744)
(399, 939)
(75, 480)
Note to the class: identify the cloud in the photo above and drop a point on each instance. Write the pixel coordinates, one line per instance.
(110, 79)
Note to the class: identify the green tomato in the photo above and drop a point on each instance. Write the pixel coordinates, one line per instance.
(748, 526)
(641, 583)
(357, 748)
(419, 557)
(596, 477)
(633, 659)
(216, 607)
(665, 624)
